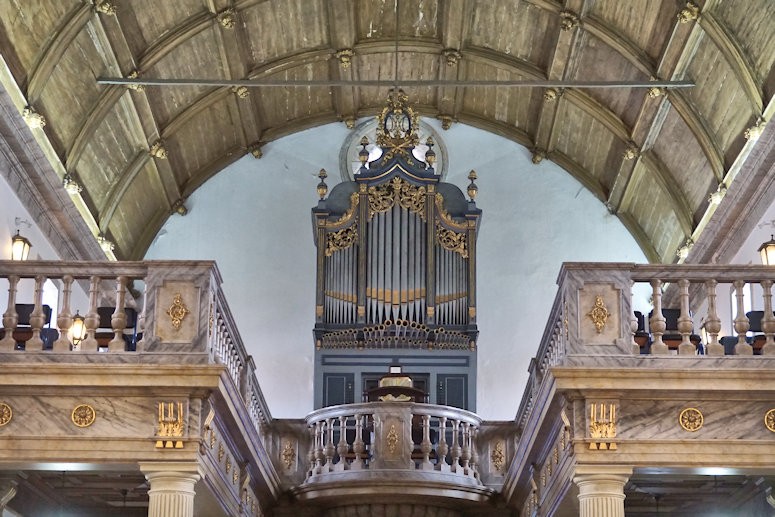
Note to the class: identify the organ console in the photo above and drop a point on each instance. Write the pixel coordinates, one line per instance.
(396, 248)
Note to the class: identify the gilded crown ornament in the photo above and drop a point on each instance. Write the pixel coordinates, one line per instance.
(397, 126)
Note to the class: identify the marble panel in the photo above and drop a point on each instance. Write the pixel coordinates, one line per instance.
(177, 312)
(599, 313)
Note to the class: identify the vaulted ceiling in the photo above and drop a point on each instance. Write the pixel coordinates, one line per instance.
(653, 156)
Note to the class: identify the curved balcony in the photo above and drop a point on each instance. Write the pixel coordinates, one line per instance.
(416, 452)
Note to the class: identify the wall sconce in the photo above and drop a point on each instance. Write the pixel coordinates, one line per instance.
(78, 330)
(20, 247)
(767, 251)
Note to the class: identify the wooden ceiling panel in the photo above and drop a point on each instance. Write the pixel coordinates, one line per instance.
(69, 93)
(195, 59)
(149, 21)
(100, 170)
(202, 139)
(718, 96)
(597, 61)
(685, 159)
(753, 28)
(280, 106)
(590, 152)
(145, 195)
(411, 66)
(32, 25)
(271, 36)
(641, 22)
(499, 103)
(648, 203)
(524, 31)
(419, 19)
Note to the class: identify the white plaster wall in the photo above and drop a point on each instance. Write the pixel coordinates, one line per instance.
(254, 220)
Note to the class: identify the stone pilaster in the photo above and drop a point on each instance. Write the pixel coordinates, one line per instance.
(601, 489)
(172, 488)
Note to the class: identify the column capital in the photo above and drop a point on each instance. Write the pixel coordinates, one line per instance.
(601, 489)
(181, 467)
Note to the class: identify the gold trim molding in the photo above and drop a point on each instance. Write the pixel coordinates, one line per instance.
(691, 419)
(392, 439)
(769, 420)
(6, 414)
(83, 415)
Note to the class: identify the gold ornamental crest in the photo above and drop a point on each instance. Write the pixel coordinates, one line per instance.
(6, 413)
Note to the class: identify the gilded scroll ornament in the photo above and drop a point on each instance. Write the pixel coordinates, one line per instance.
(599, 314)
(6, 413)
(411, 197)
(444, 215)
(392, 439)
(345, 57)
(354, 200)
(498, 456)
(177, 311)
(381, 199)
(288, 456)
(170, 425)
(452, 241)
(769, 420)
(602, 426)
(690, 419)
(397, 126)
(690, 12)
(83, 415)
(341, 240)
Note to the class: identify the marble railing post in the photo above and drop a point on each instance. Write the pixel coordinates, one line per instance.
(601, 489)
(713, 322)
(768, 321)
(685, 324)
(37, 318)
(657, 321)
(741, 321)
(65, 317)
(171, 492)
(10, 318)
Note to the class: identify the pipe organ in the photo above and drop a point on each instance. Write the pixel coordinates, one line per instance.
(396, 249)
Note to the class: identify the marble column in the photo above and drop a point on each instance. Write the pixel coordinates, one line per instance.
(601, 489)
(171, 491)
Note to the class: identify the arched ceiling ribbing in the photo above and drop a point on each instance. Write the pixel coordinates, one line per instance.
(654, 157)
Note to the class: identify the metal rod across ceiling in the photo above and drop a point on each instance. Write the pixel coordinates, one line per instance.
(522, 83)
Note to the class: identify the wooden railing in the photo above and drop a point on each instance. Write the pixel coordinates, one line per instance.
(395, 437)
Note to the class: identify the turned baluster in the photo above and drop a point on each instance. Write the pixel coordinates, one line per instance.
(311, 454)
(455, 451)
(10, 318)
(442, 449)
(474, 454)
(342, 447)
(330, 449)
(359, 447)
(426, 447)
(37, 318)
(713, 322)
(319, 439)
(768, 320)
(92, 320)
(657, 320)
(685, 323)
(634, 346)
(118, 320)
(465, 454)
(65, 317)
(741, 321)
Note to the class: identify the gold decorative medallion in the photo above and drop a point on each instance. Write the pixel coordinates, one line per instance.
(769, 420)
(6, 413)
(690, 419)
(599, 314)
(392, 439)
(177, 311)
(498, 457)
(288, 455)
(83, 415)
